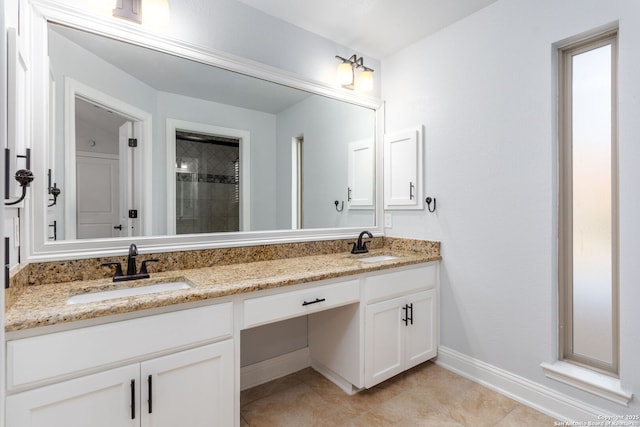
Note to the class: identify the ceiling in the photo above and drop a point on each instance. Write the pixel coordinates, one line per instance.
(376, 28)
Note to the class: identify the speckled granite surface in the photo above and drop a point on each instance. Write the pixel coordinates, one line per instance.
(212, 273)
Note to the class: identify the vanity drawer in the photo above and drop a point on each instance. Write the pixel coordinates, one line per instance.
(36, 360)
(267, 309)
(399, 282)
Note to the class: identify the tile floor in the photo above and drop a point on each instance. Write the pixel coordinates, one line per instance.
(426, 395)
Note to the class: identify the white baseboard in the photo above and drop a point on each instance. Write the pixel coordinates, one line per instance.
(267, 370)
(527, 392)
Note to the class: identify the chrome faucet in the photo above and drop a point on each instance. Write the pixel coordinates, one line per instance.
(132, 273)
(360, 247)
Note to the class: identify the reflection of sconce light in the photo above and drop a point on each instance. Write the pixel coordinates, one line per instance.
(346, 73)
(153, 13)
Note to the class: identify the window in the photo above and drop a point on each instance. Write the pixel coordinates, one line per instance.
(588, 217)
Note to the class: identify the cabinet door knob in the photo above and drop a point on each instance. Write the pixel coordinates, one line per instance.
(411, 187)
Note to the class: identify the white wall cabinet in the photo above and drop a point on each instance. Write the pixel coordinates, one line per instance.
(403, 170)
(361, 174)
(186, 388)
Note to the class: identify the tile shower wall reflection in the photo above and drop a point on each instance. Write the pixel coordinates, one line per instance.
(207, 187)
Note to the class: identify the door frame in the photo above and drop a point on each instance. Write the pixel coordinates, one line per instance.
(142, 168)
(245, 167)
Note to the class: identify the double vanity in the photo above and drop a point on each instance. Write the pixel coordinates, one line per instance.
(83, 353)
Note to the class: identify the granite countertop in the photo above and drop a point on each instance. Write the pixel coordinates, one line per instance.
(45, 305)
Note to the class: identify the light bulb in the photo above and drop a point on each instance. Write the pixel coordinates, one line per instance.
(102, 7)
(155, 13)
(365, 80)
(345, 74)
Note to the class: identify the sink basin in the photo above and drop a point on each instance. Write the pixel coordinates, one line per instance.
(126, 292)
(377, 258)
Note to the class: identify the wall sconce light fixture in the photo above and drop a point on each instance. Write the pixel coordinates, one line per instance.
(347, 76)
(153, 13)
(23, 176)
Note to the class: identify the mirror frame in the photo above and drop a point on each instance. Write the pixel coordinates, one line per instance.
(40, 249)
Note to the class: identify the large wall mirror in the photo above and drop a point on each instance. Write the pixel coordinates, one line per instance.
(150, 141)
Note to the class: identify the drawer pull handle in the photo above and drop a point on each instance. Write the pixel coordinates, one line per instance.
(313, 302)
(133, 399)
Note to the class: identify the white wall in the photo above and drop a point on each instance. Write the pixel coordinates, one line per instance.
(484, 89)
(328, 126)
(262, 129)
(233, 27)
(110, 80)
(97, 74)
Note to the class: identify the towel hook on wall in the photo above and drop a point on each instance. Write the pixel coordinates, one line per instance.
(341, 206)
(429, 200)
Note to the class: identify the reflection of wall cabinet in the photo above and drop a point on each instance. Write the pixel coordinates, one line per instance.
(403, 182)
(400, 322)
(361, 174)
(150, 392)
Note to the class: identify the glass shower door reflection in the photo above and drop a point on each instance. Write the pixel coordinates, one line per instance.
(207, 185)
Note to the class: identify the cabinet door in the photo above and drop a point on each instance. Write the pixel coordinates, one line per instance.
(384, 329)
(99, 400)
(361, 174)
(421, 333)
(403, 170)
(192, 388)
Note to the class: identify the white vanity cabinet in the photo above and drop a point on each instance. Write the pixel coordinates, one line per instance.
(401, 322)
(191, 386)
(101, 399)
(186, 388)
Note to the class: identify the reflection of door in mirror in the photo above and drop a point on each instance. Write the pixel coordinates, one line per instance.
(102, 192)
(207, 183)
(297, 202)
